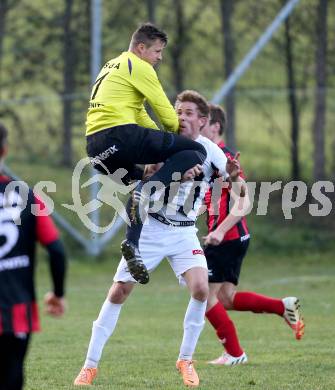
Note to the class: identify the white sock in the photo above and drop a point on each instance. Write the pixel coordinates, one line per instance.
(102, 329)
(193, 324)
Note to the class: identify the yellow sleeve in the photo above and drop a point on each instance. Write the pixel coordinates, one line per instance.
(146, 81)
(143, 119)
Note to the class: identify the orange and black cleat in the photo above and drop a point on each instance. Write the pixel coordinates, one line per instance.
(293, 317)
(187, 370)
(86, 377)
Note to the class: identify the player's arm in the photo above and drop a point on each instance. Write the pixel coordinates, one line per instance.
(144, 120)
(146, 81)
(239, 208)
(238, 185)
(229, 169)
(48, 236)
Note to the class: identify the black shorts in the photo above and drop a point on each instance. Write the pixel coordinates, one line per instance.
(127, 145)
(12, 353)
(224, 261)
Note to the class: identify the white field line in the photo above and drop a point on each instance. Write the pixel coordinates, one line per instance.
(298, 279)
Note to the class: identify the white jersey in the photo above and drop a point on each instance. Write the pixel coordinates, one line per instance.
(185, 199)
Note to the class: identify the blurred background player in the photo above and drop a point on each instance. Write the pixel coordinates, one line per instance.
(18, 307)
(120, 133)
(170, 232)
(226, 246)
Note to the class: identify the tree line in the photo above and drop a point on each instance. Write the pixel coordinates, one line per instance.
(45, 64)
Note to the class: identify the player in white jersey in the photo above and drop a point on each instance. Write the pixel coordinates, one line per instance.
(170, 232)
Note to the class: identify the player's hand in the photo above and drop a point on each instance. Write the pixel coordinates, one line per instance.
(54, 305)
(192, 173)
(151, 169)
(233, 166)
(213, 238)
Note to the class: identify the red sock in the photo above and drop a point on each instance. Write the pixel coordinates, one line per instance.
(250, 301)
(225, 329)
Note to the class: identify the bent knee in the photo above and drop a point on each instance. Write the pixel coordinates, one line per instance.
(119, 292)
(200, 291)
(227, 300)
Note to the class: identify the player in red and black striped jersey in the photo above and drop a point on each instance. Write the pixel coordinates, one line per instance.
(227, 243)
(23, 222)
(238, 231)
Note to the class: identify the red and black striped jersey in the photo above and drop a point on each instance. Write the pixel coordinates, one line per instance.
(20, 229)
(215, 215)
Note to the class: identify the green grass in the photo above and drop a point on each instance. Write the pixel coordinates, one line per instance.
(142, 352)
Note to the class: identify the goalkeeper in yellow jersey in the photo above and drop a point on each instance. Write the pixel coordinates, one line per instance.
(120, 133)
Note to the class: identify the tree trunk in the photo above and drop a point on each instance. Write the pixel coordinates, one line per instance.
(227, 10)
(320, 91)
(178, 46)
(68, 78)
(292, 100)
(151, 7)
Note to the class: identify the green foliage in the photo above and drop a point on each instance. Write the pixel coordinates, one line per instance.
(31, 73)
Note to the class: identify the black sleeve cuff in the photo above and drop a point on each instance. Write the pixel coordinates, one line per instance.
(57, 260)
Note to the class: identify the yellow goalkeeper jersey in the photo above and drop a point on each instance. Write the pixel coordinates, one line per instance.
(119, 93)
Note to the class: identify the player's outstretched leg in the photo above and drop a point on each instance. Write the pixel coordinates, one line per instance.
(293, 317)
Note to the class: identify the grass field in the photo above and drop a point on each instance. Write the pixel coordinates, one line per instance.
(142, 352)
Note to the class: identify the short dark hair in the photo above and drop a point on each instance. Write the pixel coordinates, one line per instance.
(3, 136)
(194, 97)
(217, 115)
(148, 33)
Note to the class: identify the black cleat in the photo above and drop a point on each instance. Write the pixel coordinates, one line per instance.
(136, 267)
(139, 203)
